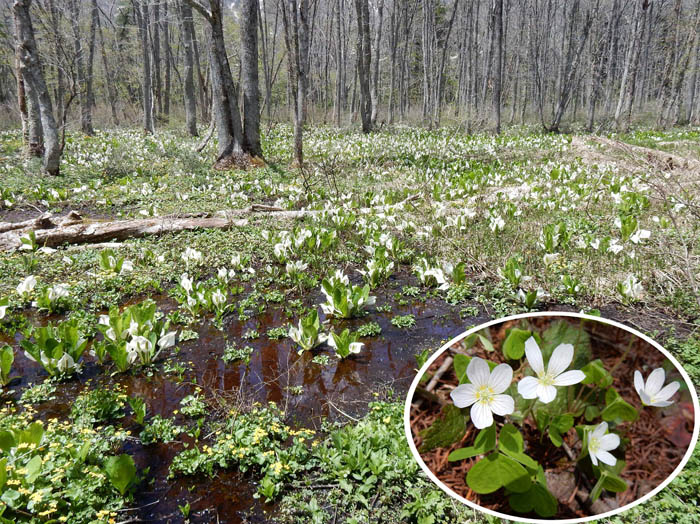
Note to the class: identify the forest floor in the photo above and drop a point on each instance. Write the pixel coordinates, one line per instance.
(235, 422)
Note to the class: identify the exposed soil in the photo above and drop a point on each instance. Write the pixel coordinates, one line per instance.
(652, 447)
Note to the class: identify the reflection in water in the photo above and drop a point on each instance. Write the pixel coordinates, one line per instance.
(274, 374)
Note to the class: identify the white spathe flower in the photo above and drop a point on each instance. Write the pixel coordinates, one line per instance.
(3, 311)
(439, 277)
(218, 298)
(632, 288)
(497, 223)
(127, 266)
(614, 247)
(138, 347)
(186, 283)
(484, 393)
(167, 340)
(543, 386)
(58, 291)
(600, 443)
(652, 391)
(550, 258)
(639, 235)
(296, 266)
(354, 348)
(192, 255)
(65, 363)
(27, 285)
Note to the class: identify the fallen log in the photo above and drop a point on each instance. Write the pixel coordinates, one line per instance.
(91, 232)
(43, 221)
(73, 229)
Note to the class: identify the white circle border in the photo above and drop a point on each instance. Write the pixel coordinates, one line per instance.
(432, 358)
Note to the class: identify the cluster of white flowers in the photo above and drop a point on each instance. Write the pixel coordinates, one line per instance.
(486, 387)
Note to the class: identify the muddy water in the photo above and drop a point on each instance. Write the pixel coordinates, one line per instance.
(305, 390)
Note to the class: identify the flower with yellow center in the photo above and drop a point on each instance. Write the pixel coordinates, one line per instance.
(484, 393)
(652, 392)
(542, 385)
(600, 443)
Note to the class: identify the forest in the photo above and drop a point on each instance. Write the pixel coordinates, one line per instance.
(233, 233)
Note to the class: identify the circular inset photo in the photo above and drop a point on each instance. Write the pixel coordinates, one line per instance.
(556, 416)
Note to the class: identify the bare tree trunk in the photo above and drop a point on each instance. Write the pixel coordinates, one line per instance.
(32, 134)
(186, 25)
(375, 65)
(156, 81)
(291, 23)
(249, 75)
(142, 17)
(201, 83)
(89, 82)
(165, 30)
(498, 80)
(58, 45)
(631, 60)
(233, 149)
(111, 90)
(83, 96)
(364, 63)
(30, 69)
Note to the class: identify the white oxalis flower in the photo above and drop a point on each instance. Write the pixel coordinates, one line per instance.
(543, 386)
(600, 443)
(484, 393)
(652, 392)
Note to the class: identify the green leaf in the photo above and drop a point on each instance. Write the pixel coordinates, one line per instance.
(11, 497)
(3, 472)
(33, 433)
(596, 374)
(591, 413)
(460, 364)
(510, 439)
(488, 346)
(33, 469)
(482, 477)
(510, 442)
(485, 441)
(555, 436)
(537, 498)
(560, 424)
(121, 472)
(84, 450)
(563, 422)
(514, 344)
(617, 408)
(446, 430)
(613, 483)
(7, 441)
(563, 332)
(496, 471)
